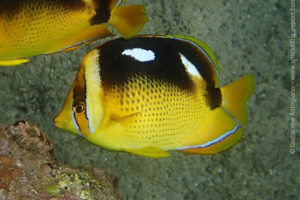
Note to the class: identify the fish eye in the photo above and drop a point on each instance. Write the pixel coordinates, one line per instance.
(80, 107)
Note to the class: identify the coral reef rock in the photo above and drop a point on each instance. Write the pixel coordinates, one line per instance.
(29, 170)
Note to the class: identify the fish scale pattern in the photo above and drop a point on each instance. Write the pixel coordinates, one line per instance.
(38, 23)
(159, 113)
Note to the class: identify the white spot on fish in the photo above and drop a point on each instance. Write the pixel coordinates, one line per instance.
(139, 54)
(202, 50)
(190, 67)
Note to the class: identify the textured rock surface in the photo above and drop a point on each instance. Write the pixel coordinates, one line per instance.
(29, 171)
(247, 37)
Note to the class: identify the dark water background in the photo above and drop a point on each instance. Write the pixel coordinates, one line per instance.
(248, 37)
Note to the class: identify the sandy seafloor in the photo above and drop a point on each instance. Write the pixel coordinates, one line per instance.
(248, 37)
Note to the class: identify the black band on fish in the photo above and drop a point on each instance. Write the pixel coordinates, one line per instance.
(163, 65)
(102, 12)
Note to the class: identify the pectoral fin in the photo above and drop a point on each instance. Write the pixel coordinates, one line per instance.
(127, 117)
(13, 62)
(152, 152)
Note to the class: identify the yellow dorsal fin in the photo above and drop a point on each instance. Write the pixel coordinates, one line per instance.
(236, 95)
(152, 152)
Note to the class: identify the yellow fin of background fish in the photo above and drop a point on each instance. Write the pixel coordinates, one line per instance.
(236, 95)
(30, 28)
(86, 37)
(128, 20)
(13, 62)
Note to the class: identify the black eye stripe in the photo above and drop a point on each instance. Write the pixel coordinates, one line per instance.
(79, 90)
(77, 110)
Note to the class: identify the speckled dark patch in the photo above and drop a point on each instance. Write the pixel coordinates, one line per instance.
(117, 69)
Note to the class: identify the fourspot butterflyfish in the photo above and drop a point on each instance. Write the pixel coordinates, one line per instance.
(33, 27)
(150, 94)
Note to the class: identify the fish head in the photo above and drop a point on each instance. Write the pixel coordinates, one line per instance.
(83, 109)
(64, 119)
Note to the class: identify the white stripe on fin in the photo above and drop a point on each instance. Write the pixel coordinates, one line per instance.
(190, 67)
(212, 142)
(119, 2)
(140, 54)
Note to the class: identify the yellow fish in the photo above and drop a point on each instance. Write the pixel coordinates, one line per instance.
(151, 94)
(33, 27)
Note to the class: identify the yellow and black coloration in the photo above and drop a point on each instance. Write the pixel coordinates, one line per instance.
(151, 94)
(33, 27)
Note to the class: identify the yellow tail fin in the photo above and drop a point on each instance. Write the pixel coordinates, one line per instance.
(235, 96)
(128, 20)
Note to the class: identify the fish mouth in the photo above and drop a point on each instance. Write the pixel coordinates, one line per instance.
(63, 122)
(60, 122)
(57, 122)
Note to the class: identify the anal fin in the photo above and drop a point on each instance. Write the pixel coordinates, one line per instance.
(217, 133)
(152, 152)
(220, 144)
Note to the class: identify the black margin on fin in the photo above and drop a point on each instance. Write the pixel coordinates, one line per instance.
(214, 97)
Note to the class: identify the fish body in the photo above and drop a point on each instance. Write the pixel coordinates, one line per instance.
(33, 27)
(151, 94)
